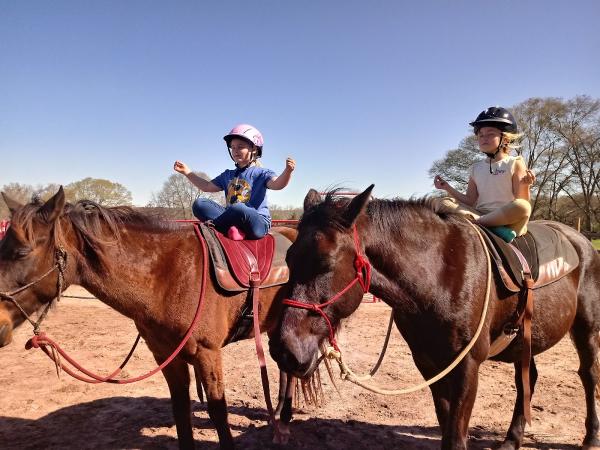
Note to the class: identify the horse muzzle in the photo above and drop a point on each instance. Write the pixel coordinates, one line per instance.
(298, 360)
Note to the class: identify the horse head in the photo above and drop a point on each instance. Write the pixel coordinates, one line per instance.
(328, 277)
(27, 257)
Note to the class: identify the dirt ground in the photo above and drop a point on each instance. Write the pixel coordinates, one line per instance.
(39, 410)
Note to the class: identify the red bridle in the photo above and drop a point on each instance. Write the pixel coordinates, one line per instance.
(363, 277)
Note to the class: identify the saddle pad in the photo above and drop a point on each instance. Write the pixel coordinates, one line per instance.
(232, 260)
(548, 253)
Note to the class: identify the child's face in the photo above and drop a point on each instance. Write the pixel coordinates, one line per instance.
(241, 151)
(489, 139)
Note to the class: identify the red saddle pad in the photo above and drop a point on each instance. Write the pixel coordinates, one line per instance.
(247, 256)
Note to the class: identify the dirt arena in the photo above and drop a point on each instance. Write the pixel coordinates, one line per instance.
(39, 410)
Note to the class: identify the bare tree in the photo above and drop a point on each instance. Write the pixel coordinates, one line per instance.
(579, 128)
(178, 194)
(24, 193)
(454, 167)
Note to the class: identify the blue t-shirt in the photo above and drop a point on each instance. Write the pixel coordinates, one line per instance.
(247, 185)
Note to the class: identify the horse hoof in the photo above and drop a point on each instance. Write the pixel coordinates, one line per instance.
(283, 437)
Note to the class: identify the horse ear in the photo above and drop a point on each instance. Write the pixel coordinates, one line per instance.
(12, 205)
(357, 206)
(312, 198)
(54, 206)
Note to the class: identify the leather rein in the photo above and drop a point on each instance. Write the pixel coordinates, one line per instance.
(40, 340)
(363, 277)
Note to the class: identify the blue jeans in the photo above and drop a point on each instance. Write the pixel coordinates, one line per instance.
(246, 218)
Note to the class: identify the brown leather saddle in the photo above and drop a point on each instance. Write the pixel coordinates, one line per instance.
(543, 253)
(234, 263)
(247, 265)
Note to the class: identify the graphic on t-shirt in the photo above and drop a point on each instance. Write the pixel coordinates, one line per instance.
(238, 191)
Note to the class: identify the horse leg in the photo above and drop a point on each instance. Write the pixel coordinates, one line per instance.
(587, 344)
(177, 375)
(462, 397)
(441, 400)
(209, 367)
(514, 435)
(283, 411)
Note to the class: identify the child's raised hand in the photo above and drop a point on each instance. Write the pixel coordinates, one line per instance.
(181, 167)
(290, 164)
(439, 182)
(529, 178)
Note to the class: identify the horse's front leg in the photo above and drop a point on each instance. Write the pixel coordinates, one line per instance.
(283, 412)
(177, 375)
(514, 436)
(209, 366)
(463, 390)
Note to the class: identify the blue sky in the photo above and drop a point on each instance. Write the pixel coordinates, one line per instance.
(357, 92)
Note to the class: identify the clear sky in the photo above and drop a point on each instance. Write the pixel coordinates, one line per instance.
(358, 92)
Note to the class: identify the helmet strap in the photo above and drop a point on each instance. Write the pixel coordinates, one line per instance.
(491, 156)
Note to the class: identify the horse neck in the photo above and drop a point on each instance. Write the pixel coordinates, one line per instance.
(407, 253)
(136, 275)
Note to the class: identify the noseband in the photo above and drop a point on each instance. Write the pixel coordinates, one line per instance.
(60, 257)
(363, 277)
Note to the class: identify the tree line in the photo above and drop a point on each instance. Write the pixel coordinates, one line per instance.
(174, 200)
(561, 145)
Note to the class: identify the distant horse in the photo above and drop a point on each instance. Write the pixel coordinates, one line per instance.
(148, 269)
(431, 269)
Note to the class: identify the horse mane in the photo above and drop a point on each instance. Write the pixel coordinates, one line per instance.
(385, 214)
(94, 224)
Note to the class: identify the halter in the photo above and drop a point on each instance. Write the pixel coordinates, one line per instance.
(363, 277)
(60, 257)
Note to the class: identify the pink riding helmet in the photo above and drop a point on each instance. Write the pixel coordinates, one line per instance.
(247, 132)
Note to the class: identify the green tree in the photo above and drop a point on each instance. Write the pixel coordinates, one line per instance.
(103, 192)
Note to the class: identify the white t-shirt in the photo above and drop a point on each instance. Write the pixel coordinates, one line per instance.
(494, 189)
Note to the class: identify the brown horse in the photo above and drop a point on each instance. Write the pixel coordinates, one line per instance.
(431, 269)
(147, 269)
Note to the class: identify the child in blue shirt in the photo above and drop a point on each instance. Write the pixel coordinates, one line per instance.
(246, 214)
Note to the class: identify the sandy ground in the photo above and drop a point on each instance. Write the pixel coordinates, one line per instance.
(39, 410)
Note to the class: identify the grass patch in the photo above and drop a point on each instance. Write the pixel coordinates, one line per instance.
(596, 243)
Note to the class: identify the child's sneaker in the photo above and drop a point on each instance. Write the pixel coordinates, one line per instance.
(235, 234)
(504, 232)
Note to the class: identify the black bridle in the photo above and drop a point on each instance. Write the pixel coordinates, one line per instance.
(60, 265)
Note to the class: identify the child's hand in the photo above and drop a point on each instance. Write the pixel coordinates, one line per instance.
(181, 167)
(290, 164)
(440, 183)
(529, 178)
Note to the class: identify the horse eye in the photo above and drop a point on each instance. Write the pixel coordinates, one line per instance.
(22, 252)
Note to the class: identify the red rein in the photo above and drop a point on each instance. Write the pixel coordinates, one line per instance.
(42, 341)
(363, 277)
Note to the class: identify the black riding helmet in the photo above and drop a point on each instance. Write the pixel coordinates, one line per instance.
(497, 117)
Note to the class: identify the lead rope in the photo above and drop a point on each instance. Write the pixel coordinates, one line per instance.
(347, 374)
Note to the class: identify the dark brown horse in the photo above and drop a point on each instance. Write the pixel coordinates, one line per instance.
(147, 269)
(431, 269)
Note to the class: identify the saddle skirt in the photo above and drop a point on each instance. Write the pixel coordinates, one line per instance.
(234, 263)
(547, 252)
